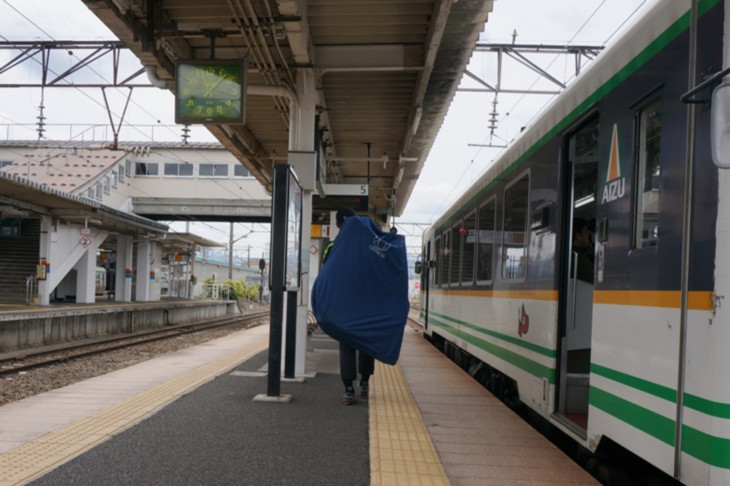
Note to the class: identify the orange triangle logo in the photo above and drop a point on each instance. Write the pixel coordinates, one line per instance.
(614, 167)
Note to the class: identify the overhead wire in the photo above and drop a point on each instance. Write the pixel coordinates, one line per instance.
(449, 198)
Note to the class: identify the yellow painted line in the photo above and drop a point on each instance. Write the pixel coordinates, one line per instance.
(697, 300)
(32, 460)
(550, 295)
(401, 451)
(654, 298)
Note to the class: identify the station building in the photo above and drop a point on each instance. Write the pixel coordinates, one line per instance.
(80, 221)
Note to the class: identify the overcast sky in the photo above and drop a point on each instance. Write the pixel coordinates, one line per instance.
(452, 163)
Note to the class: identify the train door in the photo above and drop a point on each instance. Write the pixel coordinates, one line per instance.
(576, 296)
(425, 282)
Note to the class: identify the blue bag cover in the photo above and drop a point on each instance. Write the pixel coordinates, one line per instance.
(360, 296)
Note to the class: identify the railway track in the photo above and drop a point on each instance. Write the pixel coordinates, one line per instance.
(29, 359)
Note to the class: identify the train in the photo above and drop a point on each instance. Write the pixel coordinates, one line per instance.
(626, 342)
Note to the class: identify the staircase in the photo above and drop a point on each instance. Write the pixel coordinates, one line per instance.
(18, 259)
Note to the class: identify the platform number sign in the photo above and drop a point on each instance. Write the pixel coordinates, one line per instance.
(85, 241)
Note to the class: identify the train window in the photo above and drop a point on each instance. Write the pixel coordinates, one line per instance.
(444, 258)
(648, 172)
(455, 254)
(514, 234)
(485, 240)
(436, 274)
(469, 240)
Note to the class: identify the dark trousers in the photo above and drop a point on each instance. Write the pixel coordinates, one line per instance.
(348, 362)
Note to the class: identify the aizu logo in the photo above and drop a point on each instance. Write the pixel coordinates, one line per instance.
(523, 322)
(379, 247)
(615, 187)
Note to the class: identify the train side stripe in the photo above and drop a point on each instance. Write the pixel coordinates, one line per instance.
(713, 450)
(694, 402)
(705, 447)
(709, 407)
(645, 386)
(643, 419)
(696, 300)
(550, 353)
(546, 295)
(532, 367)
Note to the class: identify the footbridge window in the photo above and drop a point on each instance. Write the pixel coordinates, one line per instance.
(173, 169)
(240, 171)
(146, 169)
(213, 170)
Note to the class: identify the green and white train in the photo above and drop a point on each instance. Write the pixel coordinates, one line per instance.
(635, 351)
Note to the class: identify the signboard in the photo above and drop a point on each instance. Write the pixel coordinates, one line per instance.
(333, 203)
(286, 228)
(85, 241)
(355, 196)
(212, 91)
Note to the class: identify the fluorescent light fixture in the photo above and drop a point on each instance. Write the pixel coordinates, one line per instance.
(585, 200)
(417, 119)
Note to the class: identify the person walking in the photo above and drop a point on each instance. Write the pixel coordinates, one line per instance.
(351, 361)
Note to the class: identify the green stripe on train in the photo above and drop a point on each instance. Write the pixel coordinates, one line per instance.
(703, 405)
(550, 353)
(713, 450)
(532, 367)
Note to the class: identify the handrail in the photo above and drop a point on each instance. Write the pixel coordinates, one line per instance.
(31, 284)
(685, 98)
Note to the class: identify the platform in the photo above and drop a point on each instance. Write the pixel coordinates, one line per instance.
(25, 327)
(189, 418)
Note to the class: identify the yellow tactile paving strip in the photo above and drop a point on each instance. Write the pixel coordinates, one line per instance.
(401, 451)
(35, 458)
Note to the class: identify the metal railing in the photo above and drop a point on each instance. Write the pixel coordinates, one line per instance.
(31, 288)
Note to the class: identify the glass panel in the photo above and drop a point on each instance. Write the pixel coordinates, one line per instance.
(436, 274)
(514, 237)
(648, 176)
(469, 237)
(185, 169)
(220, 170)
(455, 254)
(240, 171)
(170, 169)
(206, 170)
(485, 241)
(444, 260)
(142, 168)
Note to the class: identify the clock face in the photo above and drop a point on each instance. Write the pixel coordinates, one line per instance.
(210, 92)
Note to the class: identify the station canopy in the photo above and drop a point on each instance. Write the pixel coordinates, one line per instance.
(385, 73)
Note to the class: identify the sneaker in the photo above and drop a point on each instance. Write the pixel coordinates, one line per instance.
(349, 398)
(364, 389)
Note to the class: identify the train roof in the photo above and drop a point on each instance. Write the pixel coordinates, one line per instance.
(661, 23)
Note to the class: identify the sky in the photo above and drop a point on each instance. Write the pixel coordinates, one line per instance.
(453, 163)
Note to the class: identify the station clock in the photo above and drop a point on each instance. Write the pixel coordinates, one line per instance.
(210, 91)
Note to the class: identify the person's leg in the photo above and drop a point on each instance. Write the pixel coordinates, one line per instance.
(348, 371)
(366, 366)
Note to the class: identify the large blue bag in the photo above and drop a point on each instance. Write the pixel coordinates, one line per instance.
(360, 296)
